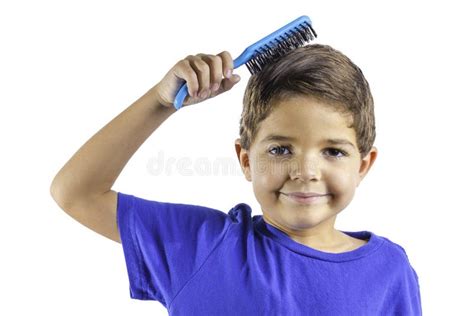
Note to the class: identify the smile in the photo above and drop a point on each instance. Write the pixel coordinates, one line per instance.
(308, 199)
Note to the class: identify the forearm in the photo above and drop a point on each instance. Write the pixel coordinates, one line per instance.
(94, 168)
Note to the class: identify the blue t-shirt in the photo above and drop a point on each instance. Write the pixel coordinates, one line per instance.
(201, 261)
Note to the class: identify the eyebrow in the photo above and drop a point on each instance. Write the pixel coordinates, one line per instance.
(333, 141)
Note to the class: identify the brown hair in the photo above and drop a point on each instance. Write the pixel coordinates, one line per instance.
(314, 70)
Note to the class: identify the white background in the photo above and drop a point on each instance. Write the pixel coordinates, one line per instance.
(68, 67)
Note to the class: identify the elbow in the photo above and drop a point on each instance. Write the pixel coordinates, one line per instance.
(66, 195)
(56, 190)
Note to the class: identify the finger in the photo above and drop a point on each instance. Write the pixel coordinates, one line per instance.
(215, 66)
(184, 71)
(227, 63)
(202, 71)
(227, 84)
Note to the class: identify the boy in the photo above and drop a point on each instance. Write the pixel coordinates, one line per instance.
(306, 142)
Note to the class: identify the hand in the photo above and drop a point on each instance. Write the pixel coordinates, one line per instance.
(206, 76)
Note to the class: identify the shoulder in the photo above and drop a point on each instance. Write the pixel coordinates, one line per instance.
(240, 213)
(393, 249)
(396, 258)
(152, 210)
(403, 276)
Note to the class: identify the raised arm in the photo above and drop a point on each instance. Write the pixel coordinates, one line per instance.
(82, 187)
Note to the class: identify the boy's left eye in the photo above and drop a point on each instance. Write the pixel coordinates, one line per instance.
(336, 152)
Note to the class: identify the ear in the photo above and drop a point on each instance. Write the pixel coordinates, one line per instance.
(366, 163)
(244, 159)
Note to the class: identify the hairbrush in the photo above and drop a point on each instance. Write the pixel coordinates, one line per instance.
(267, 50)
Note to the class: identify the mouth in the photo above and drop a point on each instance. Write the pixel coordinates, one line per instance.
(306, 197)
(305, 194)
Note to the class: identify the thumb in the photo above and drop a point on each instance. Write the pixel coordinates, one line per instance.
(227, 84)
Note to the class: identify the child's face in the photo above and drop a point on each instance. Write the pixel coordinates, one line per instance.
(308, 162)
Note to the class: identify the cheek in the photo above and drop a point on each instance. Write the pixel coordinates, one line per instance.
(268, 176)
(342, 182)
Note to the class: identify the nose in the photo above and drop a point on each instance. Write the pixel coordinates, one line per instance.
(305, 169)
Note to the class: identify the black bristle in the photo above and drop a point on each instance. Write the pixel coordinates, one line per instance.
(295, 38)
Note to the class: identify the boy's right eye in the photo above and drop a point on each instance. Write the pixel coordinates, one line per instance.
(278, 150)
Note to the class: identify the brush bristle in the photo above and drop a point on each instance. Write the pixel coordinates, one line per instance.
(281, 46)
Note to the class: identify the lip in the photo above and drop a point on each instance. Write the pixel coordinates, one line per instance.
(305, 194)
(306, 197)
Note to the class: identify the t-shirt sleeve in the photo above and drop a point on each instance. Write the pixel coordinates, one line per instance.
(165, 243)
(408, 299)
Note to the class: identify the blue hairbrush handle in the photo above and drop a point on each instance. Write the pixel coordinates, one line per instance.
(259, 47)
